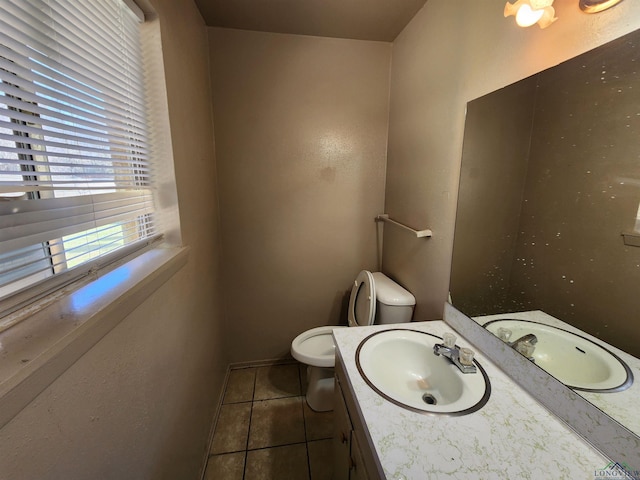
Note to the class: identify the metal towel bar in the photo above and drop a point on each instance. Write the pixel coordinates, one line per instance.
(418, 233)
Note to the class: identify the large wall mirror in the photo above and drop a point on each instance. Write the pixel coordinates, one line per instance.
(548, 222)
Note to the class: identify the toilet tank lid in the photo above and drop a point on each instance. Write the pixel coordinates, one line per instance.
(390, 293)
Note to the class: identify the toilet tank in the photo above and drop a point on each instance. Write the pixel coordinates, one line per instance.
(394, 303)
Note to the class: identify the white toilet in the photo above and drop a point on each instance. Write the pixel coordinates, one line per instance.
(375, 299)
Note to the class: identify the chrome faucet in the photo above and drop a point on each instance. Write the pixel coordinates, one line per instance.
(528, 338)
(525, 345)
(460, 357)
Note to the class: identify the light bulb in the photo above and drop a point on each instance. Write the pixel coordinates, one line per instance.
(527, 17)
(530, 12)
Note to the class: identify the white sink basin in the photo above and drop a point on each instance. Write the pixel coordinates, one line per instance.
(400, 365)
(576, 361)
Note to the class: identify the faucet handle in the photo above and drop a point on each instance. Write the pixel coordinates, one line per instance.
(466, 356)
(504, 334)
(526, 349)
(449, 340)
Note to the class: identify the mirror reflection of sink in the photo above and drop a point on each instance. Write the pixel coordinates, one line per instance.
(400, 366)
(576, 361)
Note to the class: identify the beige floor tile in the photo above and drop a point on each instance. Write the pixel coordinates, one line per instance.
(229, 466)
(277, 381)
(240, 385)
(318, 425)
(232, 428)
(321, 459)
(276, 422)
(279, 463)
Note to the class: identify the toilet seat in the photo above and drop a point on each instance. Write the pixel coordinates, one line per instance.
(315, 347)
(362, 303)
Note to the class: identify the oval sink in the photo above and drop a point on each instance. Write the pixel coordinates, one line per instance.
(400, 366)
(576, 361)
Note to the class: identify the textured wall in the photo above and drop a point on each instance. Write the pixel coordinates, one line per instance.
(139, 404)
(300, 126)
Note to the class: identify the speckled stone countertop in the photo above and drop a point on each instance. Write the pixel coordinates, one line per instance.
(622, 406)
(511, 437)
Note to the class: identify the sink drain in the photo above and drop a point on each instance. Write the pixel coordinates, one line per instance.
(429, 399)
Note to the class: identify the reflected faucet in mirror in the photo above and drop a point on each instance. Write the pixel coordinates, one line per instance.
(525, 345)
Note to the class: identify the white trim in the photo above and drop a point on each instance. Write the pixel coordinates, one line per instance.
(10, 311)
(135, 9)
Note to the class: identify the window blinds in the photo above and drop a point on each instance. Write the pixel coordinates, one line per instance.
(75, 174)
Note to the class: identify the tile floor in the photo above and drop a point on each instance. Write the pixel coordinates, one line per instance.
(266, 430)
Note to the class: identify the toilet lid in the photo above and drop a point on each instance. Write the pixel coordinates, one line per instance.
(362, 304)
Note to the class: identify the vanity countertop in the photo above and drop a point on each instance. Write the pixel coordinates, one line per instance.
(512, 436)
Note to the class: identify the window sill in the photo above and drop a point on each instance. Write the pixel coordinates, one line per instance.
(57, 333)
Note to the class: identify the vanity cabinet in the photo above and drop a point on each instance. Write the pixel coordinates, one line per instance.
(353, 458)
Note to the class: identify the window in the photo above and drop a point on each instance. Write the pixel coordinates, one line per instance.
(75, 173)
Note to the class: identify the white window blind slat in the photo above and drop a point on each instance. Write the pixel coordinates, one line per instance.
(12, 72)
(61, 24)
(76, 177)
(48, 37)
(81, 129)
(84, 80)
(67, 114)
(104, 141)
(52, 218)
(80, 144)
(25, 259)
(62, 68)
(98, 167)
(75, 14)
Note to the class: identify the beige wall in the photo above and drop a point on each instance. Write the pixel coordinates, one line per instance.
(301, 128)
(452, 52)
(139, 404)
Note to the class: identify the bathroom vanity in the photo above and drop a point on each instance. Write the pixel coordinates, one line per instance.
(351, 460)
(511, 436)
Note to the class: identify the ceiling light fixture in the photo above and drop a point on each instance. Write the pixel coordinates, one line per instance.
(530, 12)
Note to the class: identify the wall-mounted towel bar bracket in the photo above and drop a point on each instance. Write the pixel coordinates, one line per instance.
(631, 239)
(418, 233)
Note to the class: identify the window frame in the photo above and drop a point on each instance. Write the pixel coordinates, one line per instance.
(60, 275)
(54, 329)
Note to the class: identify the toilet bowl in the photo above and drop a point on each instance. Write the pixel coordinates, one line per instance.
(316, 349)
(375, 298)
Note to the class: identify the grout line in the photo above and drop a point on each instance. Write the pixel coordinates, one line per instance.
(278, 446)
(226, 453)
(275, 398)
(263, 363)
(246, 451)
(304, 420)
